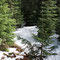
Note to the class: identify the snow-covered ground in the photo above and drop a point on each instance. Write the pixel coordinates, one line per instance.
(10, 51)
(26, 33)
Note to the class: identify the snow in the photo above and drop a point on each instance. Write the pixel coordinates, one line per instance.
(1, 54)
(21, 57)
(12, 49)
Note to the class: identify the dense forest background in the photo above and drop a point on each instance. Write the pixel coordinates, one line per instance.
(45, 14)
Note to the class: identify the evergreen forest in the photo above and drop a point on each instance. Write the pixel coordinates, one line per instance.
(29, 28)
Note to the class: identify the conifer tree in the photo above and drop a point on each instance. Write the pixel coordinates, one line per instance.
(46, 23)
(30, 11)
(6, 23)
(15, 7)
(58, 21)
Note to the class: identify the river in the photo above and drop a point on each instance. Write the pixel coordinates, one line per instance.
(26, 33)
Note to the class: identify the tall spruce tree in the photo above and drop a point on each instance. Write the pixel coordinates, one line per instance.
(15, 7)
(58, 21)
(30, 11)
(6, 23)
(46, 23)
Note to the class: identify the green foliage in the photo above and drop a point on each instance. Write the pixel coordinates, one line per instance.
(47, 19)
(29, 9)
(0, 41)
(10, 43)
(46, 24)
(6, 22)
(58, 21)
(31, 18)
(15, 8)
(40, 12)
(6, 50)
(35, 49)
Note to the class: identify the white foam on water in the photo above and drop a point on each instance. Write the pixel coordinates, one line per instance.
(26, 33)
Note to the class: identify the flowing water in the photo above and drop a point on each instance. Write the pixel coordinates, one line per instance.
(26, 33)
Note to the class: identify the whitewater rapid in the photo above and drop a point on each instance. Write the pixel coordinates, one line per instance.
(26, 33)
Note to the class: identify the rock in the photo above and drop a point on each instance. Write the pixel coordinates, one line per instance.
(5, 54)
(18, 47)
(11, 55)
(2, 57)
(25, 58)
(17, 59)
(16, 53)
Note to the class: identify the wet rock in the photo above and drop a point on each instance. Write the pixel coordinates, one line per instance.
(5, 54)
(25, 58)
(18, 47)
(2, 57)
(17, 59)
(11, 55)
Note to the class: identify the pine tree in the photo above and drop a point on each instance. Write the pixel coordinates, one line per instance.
(15, 7)
(58, 21)
(30, 11)
(6, 23)
(46, 23)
